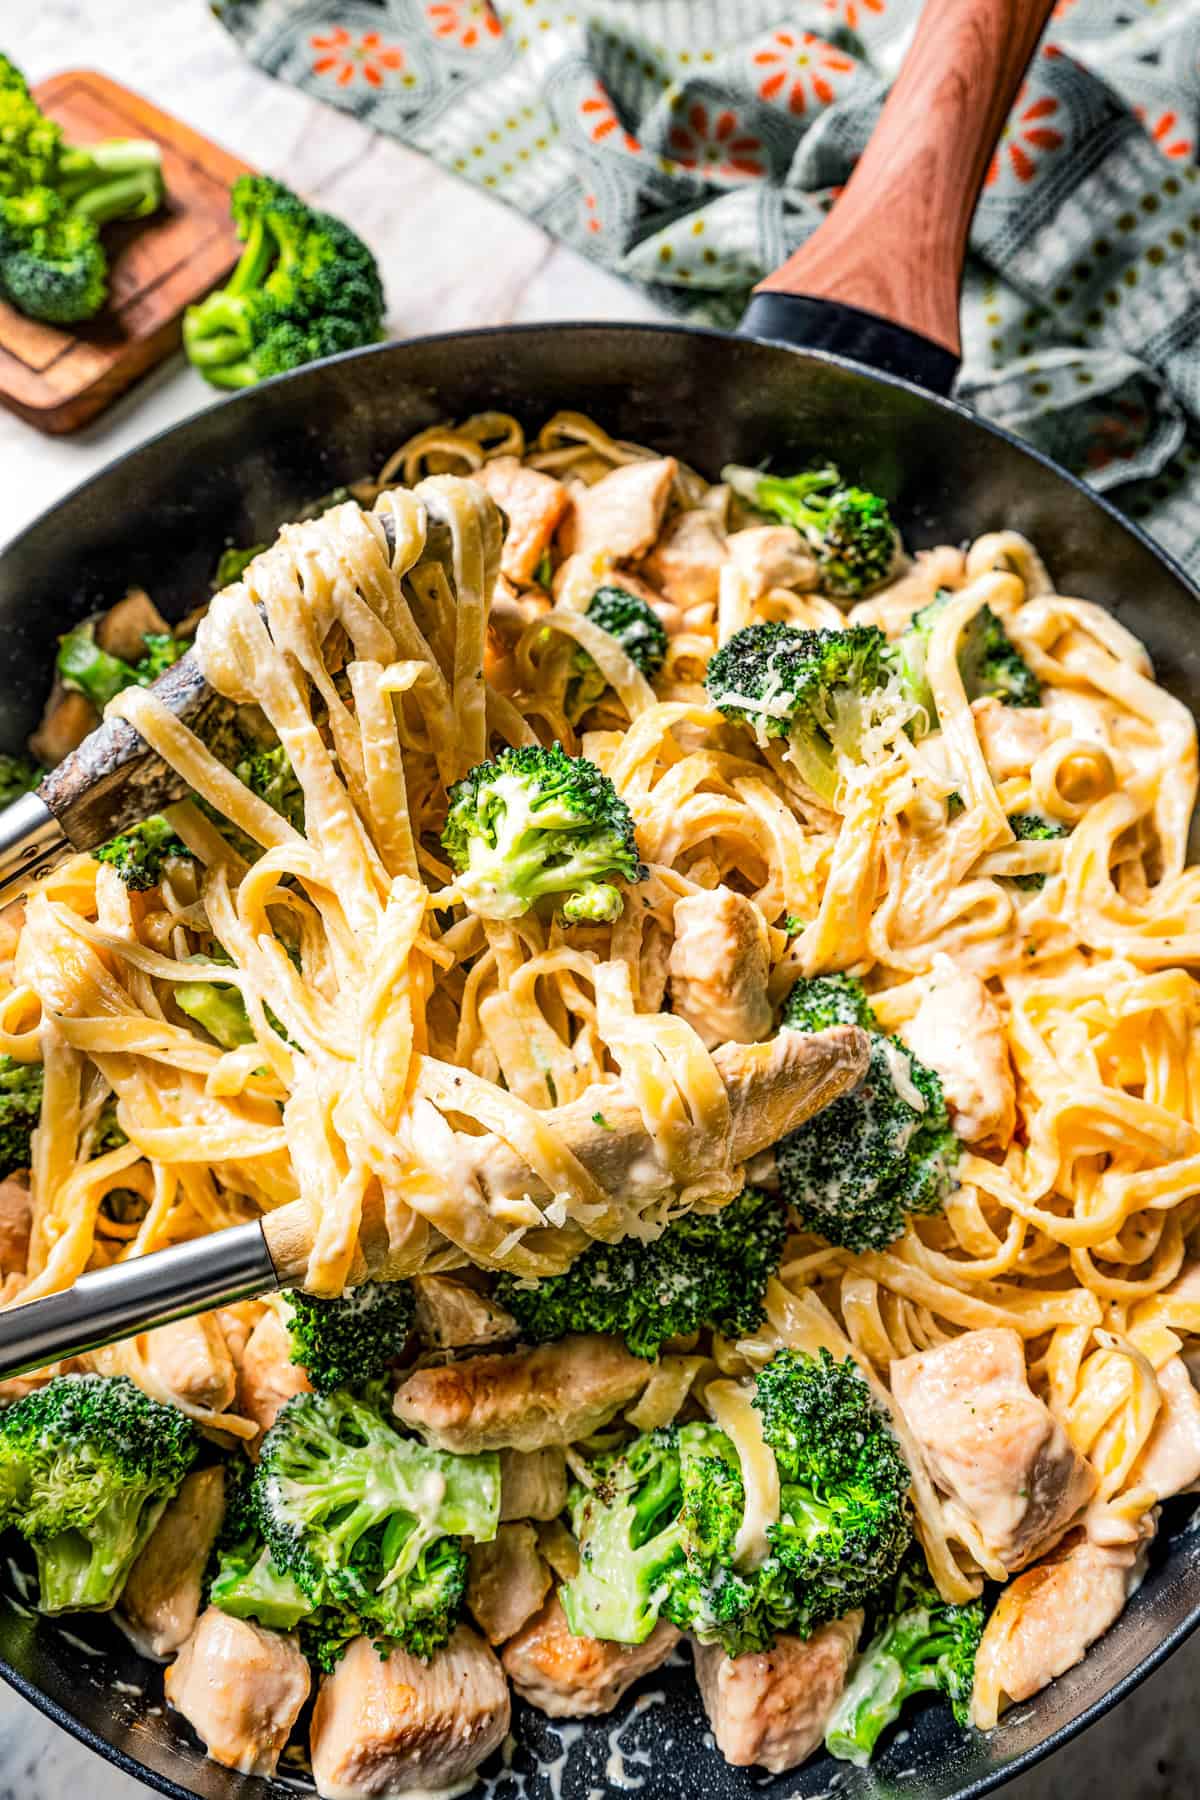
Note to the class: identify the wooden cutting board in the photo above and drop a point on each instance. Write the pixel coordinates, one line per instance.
(60, 379)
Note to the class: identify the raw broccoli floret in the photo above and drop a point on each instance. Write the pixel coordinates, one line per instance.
(921, 1643)
(703, 1270)
(536, 823)
(11, 79)
(367, 1521)
(88, 1463)
(1033, 828)
(139, 854)
(833, 695)
(849, 530)
(52, 263)
(638, 630)
(233, 563)
(988, 660)
(270, 775)
(20, 1109)
(83, 665)
(305, 287)
(342, 1342)
(856, 1170)
(18, 775)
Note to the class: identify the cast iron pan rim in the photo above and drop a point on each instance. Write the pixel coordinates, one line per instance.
(630, 327)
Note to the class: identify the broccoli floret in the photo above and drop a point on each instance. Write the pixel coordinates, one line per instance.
(139, 854)
(232, 565)
(30, 143)
(856, 1170)
(11, 79)
(534, 823)
(833, 695)
(83, 665)
(241, 1578)
(305, 287)
(638, 630)
(988, 661)
(18, 775)
(849, 530)
(703, 1270)
(108, 1134)
(1032, 828)
(368, 1522)
(88, 1463)
(218, 1008)
(52, 263)
(342, 1342)
(21, 1087)
(921, 1644)
(270, 775)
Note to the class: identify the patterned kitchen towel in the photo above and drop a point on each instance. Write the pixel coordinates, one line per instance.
(692, 144)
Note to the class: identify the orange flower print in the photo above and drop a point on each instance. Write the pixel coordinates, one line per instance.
(854, 12)
(345, 58)
(1117, 437)
(800, 64)
(1168, 133)
(591, 218)
(1024, 134)
(468, 22)
(601, 123)
(715, 145)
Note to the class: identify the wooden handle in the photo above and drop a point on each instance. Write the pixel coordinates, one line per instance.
(894, 243)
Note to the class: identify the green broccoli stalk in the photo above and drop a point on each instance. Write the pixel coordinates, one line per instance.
(305, 287)
(849, 530)
(636, 627)
(855, 1171)
(233, 563)
(833, 695)
(84, 666)
(140, 854)
(241, 1578)
(988, 661)
(343, 1342)
(630, 1541)
(88, 1463)
(219, 1009)
(18, 775)
(1032, 828)
(368, 1522)
(538, 823)
(921, 1645)
(21, 1087)
(703, 1270)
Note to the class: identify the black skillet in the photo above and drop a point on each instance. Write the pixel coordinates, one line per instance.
(846, 352)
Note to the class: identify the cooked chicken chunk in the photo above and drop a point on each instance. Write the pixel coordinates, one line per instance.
(957, 1031)
(452, 1316)
(532, 503)
(507, 1581)
(621, 513)
(1046, 1619)
(16, 1220)
(686, 561)
(771, 556)
(524, 1399)
(237, 1322)
(991, 1444)
(718, 967)
(533, 1483)
(1170, 1462)
(268, 1377)
(124, 628)
(771, 1707)
(1011, 737)
(160, 1602)
(396, 1726)
(67, 720)
(240, 1688)
(571, 1677)
(191, 1358)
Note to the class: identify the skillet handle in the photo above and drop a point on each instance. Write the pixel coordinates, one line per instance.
(879, 279)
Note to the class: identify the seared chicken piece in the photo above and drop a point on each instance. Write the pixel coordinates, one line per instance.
(398, 1726)
(569, 1677)
(622, 513)
(191, 1358)
(957, 1031)
(771, 556)
(991, 1444)
(452, 1316)
(16, 1220)
(1045, 1620)
(124, 628)
(532, 503)
(507, 1581)
(686, 561)
(240, 1688)
(719, 965)
(533, 1483)
(522, 1399)
(1170, 1462)
(160, 1602)
(67, 720)
(268, 1377)
(1011, 737)
(771, 1707)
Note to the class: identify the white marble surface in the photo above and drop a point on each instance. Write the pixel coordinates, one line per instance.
(479, 264)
